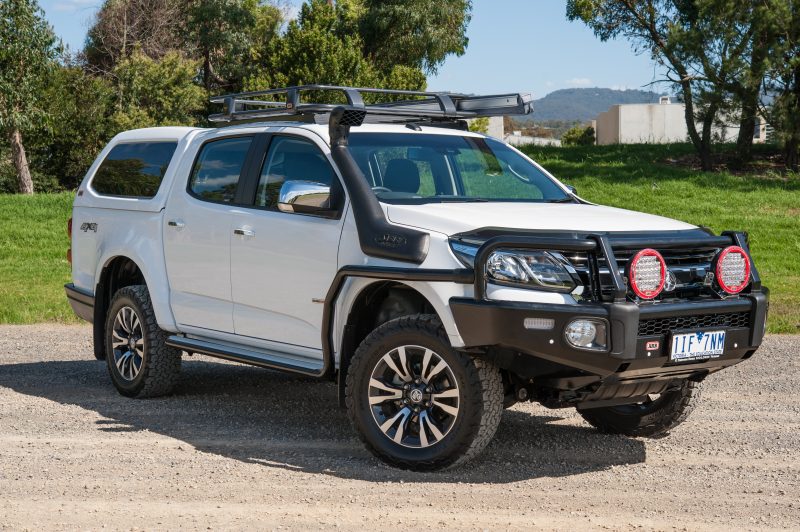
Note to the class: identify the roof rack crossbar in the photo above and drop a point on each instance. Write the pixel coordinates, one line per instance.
(423, 106)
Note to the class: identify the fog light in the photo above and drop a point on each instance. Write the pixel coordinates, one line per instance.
(587, 334)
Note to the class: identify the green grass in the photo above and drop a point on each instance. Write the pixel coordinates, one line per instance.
(764, 203)
(33, 240)
(33, 258)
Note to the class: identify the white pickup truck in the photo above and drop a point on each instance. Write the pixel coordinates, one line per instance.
(439, 275)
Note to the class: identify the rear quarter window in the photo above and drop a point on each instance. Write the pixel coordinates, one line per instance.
(133, 169)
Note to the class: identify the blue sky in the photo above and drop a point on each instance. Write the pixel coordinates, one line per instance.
(514, 45)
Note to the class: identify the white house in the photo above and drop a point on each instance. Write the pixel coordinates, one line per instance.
(657, 123)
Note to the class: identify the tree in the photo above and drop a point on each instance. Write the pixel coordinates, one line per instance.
(122, 26)
(320, 47)
(783, 82)
(28, 51)
(79, 106)
(702, 43)
(479, 125)
(414, 33)
(733, 42)
(224, 34)
(157, 93)
(578, 136)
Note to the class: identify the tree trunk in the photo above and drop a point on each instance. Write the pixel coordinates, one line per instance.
(702, 144)
(792, 146)
(749, 91)
(21, 162)
(207, 69)
(747, 126)
(706, 159)
(688, 112)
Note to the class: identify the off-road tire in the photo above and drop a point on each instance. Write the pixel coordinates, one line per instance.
(480, 401)
(648, 420)
(161, 363)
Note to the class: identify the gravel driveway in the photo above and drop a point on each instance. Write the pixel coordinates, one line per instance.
(239, 447)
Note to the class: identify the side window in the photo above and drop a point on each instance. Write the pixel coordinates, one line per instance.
(291, 159)
(133, 169)
(216, 172)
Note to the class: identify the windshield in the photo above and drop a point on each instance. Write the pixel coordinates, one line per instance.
(423, 168)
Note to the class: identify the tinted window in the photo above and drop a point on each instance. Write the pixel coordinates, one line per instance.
(134, 169)
(290, 159)
(216, 172)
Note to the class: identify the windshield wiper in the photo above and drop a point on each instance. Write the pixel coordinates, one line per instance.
(563, 200)
(462, 200)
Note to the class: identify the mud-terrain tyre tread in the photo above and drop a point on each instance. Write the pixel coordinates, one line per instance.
(162, 363)
(654, 424)
(487, 407)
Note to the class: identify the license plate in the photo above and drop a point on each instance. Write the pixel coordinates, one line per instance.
(697, 345)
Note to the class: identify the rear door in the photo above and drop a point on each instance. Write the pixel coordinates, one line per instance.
(282, 264)
(198, 231)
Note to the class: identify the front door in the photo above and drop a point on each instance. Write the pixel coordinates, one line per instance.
(197, 236)
(282, 264)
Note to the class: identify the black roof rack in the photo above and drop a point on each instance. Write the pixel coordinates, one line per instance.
(277, 104)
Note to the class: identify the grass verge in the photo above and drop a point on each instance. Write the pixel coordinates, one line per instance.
(33, 258)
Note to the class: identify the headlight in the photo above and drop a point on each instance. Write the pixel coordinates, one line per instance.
(465, 252)
(531, 269)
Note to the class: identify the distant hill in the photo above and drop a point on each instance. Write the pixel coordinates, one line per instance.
(584, 104)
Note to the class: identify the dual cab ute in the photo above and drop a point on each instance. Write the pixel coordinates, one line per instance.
(438, 275)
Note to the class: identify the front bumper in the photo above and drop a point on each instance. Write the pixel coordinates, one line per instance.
(485, 323)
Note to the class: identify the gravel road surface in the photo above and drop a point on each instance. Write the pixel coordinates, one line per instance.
(239, 447)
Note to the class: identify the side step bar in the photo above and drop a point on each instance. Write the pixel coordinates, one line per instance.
(246, 355)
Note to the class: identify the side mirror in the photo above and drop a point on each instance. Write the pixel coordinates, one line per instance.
(305, 197)
(572, 189)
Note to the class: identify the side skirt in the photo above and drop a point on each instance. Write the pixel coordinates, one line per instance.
(247, 355)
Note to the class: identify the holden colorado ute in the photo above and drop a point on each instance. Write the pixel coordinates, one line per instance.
(438, 275)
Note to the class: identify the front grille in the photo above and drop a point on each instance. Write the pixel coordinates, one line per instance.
(659, 326)
(689, 266)
(673, 258)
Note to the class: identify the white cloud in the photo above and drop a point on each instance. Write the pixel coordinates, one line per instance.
(579, 82)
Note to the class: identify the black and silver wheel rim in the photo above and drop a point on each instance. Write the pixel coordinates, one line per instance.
(127, 341)
(413, 396)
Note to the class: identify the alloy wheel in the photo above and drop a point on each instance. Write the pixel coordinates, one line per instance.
(414, 396)
(128, 343)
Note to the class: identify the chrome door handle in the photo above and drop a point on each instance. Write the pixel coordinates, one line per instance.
(180, 224)
(241, 231)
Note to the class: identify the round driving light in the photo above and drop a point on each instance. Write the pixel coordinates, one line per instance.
(581, 333)
(647, 273)
(733, 269)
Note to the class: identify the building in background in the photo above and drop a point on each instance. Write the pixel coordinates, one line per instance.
(516, 138)
(657, 123)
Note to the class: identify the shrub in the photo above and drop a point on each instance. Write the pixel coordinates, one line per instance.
(578, 136)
